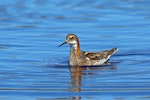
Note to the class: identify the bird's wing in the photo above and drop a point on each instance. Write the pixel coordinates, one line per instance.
(96, 55)
(99, 55)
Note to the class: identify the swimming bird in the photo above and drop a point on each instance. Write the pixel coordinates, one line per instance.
(84, 58)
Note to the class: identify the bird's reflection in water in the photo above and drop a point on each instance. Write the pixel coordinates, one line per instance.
(76, 76)
(76, 79)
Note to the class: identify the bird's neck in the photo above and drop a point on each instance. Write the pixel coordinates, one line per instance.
(75, 50)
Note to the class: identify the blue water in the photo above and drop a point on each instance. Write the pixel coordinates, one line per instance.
(32, 67)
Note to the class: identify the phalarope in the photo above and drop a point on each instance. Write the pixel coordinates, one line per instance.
(83, 58)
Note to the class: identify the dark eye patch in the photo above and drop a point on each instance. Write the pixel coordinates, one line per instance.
(71, 37)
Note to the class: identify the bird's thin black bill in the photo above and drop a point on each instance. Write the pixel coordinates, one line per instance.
(62, 44)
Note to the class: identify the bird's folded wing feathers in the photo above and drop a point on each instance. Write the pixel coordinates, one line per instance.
(96, 55)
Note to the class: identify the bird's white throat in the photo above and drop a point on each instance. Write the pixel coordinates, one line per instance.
(74, 45)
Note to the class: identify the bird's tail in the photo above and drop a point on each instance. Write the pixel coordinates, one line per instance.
(112, 51)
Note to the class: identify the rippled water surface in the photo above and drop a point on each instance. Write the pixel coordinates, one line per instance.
(32, 67)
